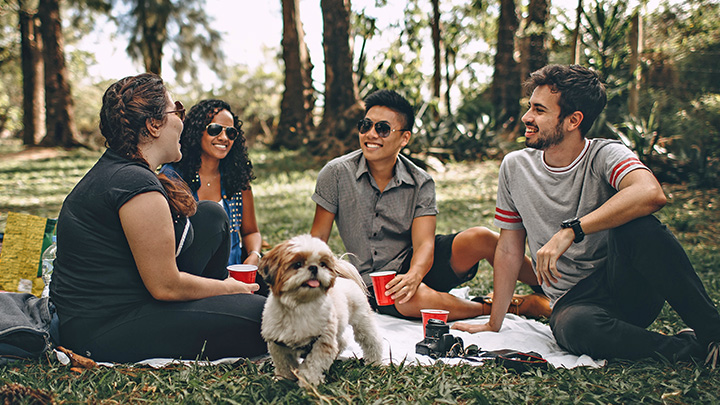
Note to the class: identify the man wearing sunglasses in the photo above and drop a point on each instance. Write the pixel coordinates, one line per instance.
(385, 209)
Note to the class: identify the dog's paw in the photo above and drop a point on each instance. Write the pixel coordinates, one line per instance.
(310, 379)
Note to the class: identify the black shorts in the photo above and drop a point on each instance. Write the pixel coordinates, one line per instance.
(441, 276)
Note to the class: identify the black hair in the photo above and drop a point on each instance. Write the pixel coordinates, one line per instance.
(580, 90)
(394, 101)
(236, 168)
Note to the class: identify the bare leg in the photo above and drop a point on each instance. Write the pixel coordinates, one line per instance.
(475, 244)
(426, 297)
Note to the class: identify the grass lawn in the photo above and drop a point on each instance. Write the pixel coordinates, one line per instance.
(37, 183)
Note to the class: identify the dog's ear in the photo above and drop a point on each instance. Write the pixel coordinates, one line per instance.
(270, 264)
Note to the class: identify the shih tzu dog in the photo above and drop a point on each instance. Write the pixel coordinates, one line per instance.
(313, 297)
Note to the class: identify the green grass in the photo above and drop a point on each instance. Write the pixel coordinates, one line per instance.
(285, 182)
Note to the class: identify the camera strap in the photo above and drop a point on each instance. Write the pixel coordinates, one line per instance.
(508, 358)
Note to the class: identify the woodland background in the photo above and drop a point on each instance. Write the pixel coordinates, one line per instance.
(658, 59)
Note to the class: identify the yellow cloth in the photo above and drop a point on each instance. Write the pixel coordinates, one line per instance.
(21, 252)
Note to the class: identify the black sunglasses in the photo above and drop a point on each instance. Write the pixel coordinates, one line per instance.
(179, 111)
(214, 129)
(382, 128)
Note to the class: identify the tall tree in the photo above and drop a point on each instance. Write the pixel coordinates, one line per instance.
(59, 115)
(435, 23)
(153, 23)
(576, 42)
(298, 100)
(505, 93)
(537, 55)
(32, 72)
(342, 110)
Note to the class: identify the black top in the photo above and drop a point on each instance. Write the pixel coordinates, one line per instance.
(95, 274)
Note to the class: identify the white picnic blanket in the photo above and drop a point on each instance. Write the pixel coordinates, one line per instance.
(400, 336)
(517, 333)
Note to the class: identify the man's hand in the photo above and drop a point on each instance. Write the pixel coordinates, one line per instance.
(549, 254)
(473, 327)
(403, 287)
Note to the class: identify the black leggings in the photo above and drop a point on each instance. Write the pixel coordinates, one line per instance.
(209, 328)
(605, 315)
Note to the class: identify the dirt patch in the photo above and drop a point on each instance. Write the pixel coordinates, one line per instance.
(33, 153)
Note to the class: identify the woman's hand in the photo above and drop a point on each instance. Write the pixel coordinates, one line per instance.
(238, 287)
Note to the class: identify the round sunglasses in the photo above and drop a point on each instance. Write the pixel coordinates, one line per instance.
(382, 128)
(214, 129)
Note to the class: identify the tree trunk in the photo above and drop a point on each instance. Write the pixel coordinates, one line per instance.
(506, 78)
(298, 100)
(337, 133)
(635, 49)
(153, 18)
(535, 33)
(437, 75)
(59, 116)
(576, 48)
(32, 71)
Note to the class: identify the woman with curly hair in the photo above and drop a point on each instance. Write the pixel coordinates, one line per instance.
(141, 267)
(216, 166)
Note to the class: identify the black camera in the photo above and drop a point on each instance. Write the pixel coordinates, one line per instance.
(438, 341)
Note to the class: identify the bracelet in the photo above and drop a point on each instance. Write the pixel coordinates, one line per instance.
(259, 255)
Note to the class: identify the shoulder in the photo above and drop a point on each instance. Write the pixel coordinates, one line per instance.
(521, 157)
(413, 170)
(348, 163)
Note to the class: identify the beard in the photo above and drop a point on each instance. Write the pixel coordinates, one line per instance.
(546, 139)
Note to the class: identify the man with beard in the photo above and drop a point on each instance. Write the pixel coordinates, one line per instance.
(585, 207)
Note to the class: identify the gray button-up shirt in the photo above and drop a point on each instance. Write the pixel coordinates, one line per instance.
(375, 226)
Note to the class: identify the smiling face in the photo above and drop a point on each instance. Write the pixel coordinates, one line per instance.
(299, 270)
(377, 149)
(544, 128)
(170, 131)
(217, 147)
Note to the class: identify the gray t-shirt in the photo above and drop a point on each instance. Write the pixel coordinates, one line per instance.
(374, 226)
(536, 197)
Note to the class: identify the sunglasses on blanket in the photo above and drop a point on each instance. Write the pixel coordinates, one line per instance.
(214, 129)
(382, 128)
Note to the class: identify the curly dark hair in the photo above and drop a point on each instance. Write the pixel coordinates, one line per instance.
(236, 168)
(580, 88)
(127, 105)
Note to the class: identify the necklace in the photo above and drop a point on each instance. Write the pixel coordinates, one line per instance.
(213, 179)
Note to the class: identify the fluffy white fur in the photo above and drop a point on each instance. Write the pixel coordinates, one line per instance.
(314, 296)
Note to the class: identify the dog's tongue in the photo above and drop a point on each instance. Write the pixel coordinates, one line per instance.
(313, 283)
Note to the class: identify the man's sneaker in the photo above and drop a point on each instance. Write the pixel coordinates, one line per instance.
(713, 352)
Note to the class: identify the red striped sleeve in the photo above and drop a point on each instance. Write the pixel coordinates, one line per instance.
(622, 167)
(510, 217)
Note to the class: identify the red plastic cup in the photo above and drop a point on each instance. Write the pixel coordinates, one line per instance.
(243, 272)
(379, 281)
(427, 314)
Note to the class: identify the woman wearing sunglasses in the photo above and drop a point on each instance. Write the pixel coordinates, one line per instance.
(141, 266)
(216, 166)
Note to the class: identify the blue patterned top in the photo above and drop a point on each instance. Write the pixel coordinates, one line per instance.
(233, 207)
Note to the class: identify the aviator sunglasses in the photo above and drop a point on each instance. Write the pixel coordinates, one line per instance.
(179, 111)
(214, 129)
(382, 128)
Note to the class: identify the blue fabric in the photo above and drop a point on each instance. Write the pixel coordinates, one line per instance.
(233, 208)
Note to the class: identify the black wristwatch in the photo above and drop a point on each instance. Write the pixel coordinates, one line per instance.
(575, 225)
